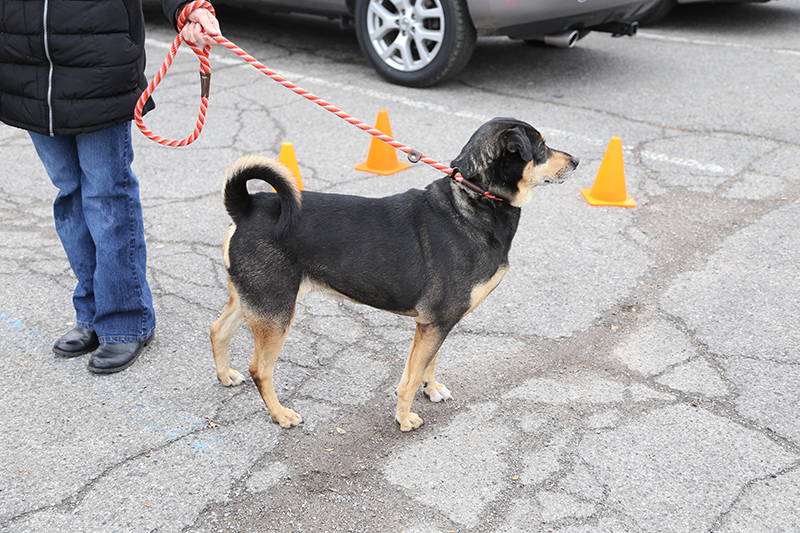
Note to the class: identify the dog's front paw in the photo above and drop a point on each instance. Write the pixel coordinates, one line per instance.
(408, 421)
(286, 418)
(436, 392)
(231, 378)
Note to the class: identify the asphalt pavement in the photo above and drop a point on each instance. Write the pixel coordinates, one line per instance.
(638, 370)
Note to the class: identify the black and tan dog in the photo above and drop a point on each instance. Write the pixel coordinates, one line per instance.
(432, 254)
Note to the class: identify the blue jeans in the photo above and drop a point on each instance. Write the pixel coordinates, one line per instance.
(98, 216)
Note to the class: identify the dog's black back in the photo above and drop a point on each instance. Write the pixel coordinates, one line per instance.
(393, 253)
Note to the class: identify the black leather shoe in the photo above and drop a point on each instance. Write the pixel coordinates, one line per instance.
(113, 357)
(75, 342)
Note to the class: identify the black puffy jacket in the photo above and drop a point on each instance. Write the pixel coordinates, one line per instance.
(72, 66)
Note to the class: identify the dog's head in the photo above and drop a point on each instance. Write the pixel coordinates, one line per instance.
(509, 158)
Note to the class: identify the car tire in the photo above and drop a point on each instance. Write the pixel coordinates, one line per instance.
(416, 43)
(655, 13)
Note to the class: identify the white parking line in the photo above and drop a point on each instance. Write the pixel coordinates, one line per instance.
(295, 77)
(656, 36)
(688, 163)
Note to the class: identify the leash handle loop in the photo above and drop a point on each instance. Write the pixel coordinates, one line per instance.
(202, 54)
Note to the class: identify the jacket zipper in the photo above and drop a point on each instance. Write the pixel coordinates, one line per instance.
(49, 101)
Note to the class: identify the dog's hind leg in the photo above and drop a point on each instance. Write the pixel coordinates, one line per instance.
(427, 340)
(269, 338)
(435, 391)
(221, 333)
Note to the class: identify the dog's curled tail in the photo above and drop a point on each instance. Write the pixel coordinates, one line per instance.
(238, 201)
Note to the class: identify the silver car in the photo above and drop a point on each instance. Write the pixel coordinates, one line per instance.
(421, 42)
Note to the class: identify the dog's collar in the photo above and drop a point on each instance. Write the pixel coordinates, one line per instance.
(456, 175)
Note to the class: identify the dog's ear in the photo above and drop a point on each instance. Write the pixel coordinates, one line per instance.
(516, 141)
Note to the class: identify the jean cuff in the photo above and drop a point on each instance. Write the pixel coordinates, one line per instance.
(125, 338)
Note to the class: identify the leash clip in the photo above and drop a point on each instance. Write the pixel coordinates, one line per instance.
(205, 84)
(414, 155)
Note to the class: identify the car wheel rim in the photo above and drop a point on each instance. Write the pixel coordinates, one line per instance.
(406, 34)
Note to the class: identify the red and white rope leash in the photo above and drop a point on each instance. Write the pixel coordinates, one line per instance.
(205, 78)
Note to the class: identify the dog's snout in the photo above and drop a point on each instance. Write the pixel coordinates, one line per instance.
(574, 162)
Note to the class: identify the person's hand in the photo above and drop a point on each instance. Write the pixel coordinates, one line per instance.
(200, 24)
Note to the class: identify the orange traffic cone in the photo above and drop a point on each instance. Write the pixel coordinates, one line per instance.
(609, 185)
(382, 157)
(288, 158)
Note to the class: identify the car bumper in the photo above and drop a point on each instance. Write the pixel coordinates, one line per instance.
(723, 1)
(516, 19)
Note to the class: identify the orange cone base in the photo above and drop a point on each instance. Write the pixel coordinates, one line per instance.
(627, 202)
(364, 167)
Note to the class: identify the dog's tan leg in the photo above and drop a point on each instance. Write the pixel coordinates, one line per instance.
(427, 340)
(435, 391)
(269, 339)
(221, 333)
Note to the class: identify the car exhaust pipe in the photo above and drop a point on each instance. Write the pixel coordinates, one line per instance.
(565, 39)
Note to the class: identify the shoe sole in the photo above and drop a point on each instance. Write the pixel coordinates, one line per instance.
(126, 365)
(62, 353)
